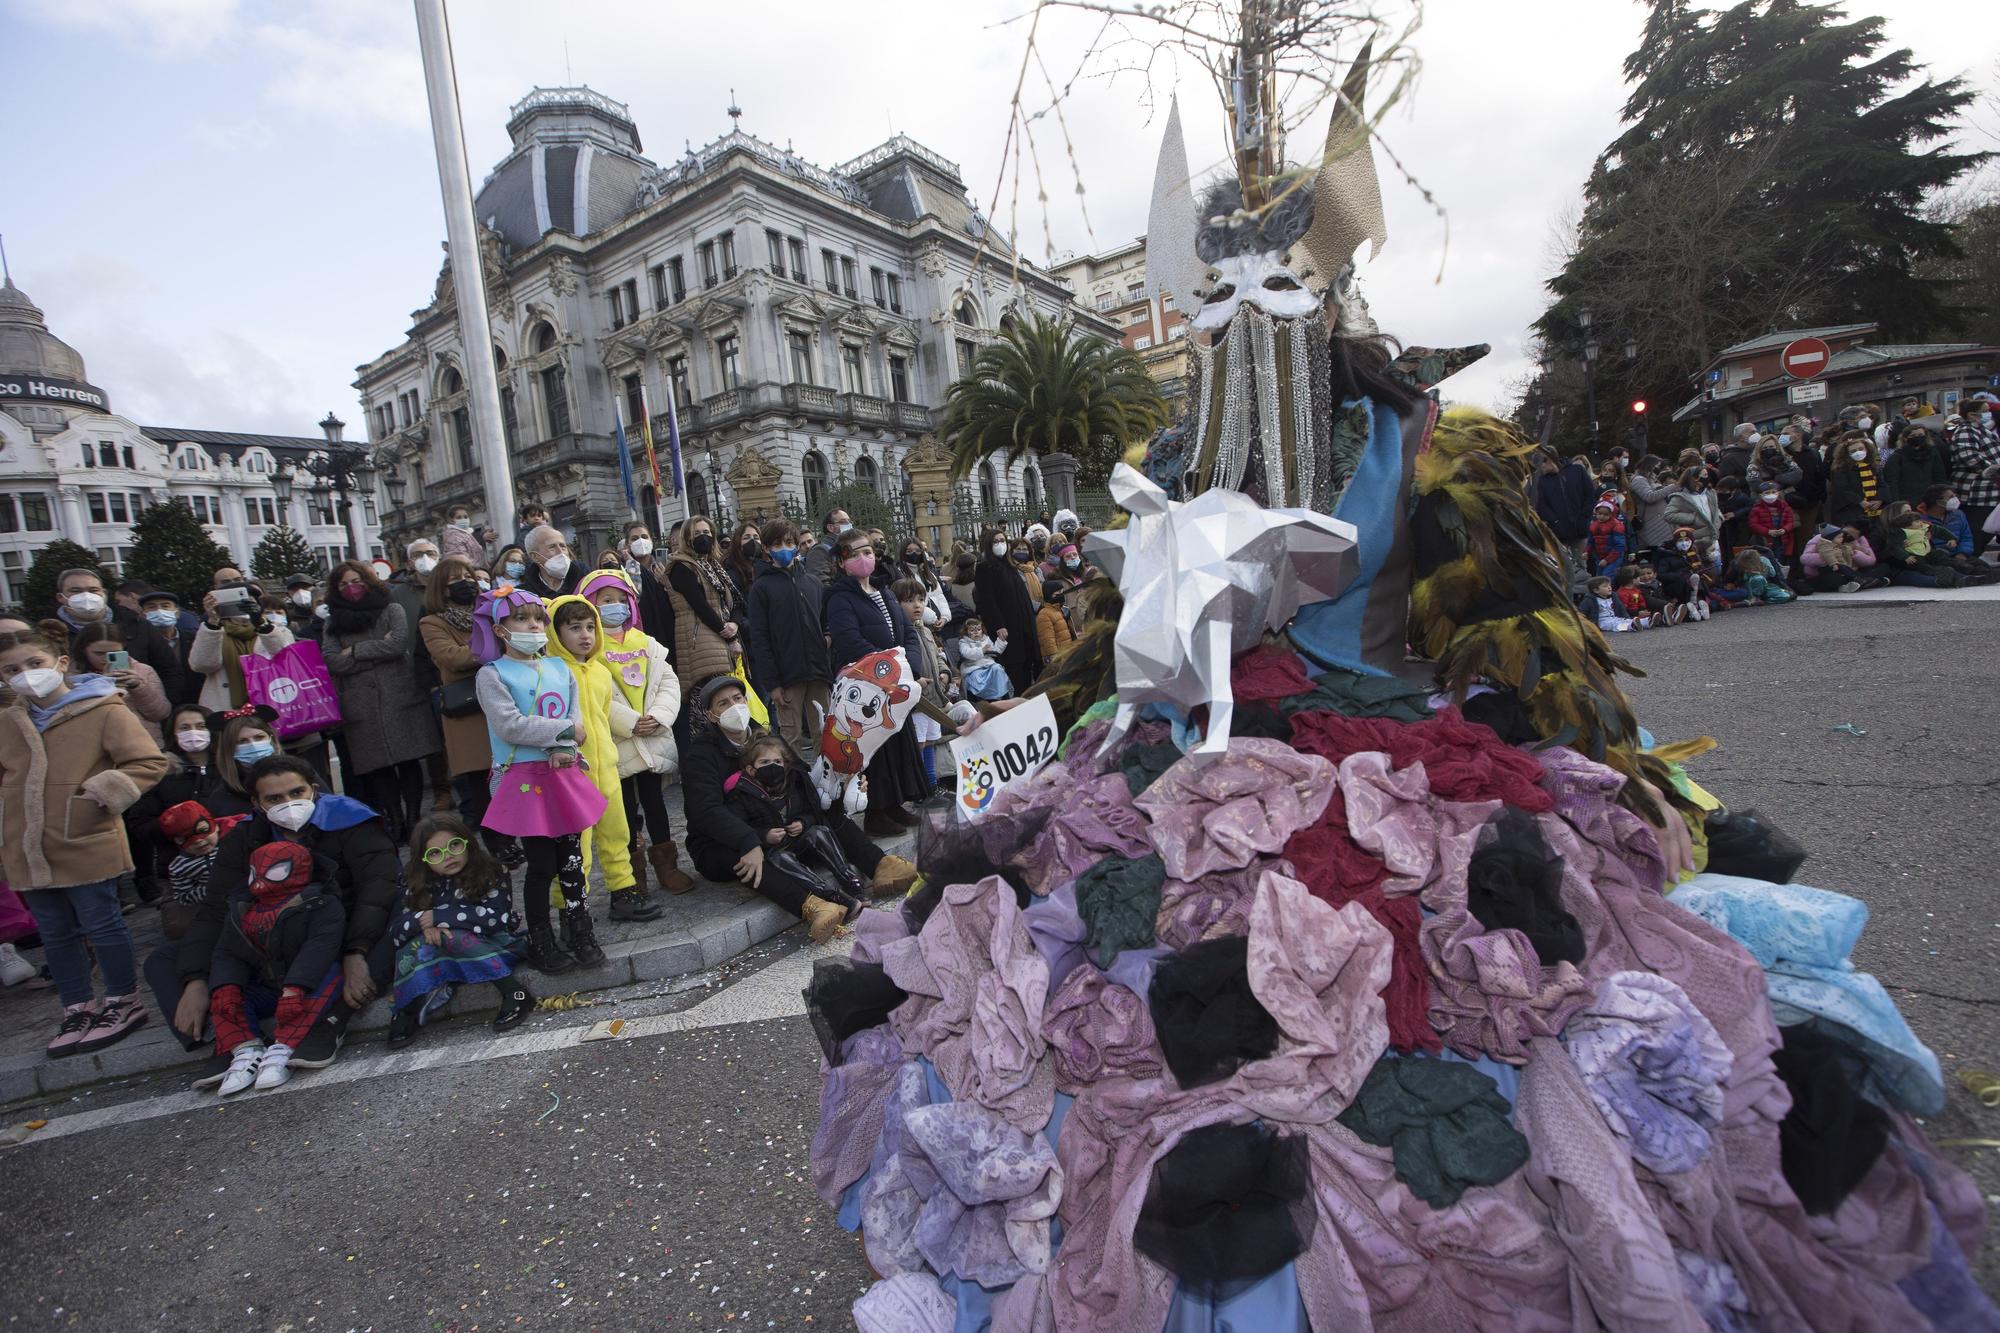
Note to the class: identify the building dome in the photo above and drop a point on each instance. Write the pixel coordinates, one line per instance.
(26, 345)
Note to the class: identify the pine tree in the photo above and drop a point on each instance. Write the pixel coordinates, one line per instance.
(38, 590)
(172, 551)
(283, 553)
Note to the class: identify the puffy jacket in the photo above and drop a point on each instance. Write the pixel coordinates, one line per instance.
(787, 635)
(62, 791)
(712, 822)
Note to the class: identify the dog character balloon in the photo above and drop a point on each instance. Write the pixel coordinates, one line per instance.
(872, 699)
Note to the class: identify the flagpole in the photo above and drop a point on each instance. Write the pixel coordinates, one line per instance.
(468, 273)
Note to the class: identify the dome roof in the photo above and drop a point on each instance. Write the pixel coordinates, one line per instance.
(26, 345)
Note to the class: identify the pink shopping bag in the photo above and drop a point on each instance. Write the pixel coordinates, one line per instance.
(296, 685)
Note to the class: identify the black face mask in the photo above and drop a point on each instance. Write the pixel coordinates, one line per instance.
(915, 558)
(703, 544)
(462, 592)
(752, 548)
(771, 777)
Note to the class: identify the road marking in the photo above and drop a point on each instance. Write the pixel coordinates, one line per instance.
(771, 992)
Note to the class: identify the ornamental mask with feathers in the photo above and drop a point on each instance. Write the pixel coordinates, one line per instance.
(1256, 281)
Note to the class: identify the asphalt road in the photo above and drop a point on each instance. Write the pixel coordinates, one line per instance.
(661, 1181)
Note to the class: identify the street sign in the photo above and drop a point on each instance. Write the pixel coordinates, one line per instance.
(1803, 358)
(1805, 393)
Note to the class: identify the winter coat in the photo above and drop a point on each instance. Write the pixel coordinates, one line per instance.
(818, 560)
(1677, 571)
(1920, 464)
(1810, 488)
(150, 702)
(1052, 630)
(62, 791)
(761, 812)
(932, 666)
(407, 590)
(205, 655)
(535, 582)
(387, 714)
(1701, 513)
(1607, 545)
(1650, 511)
(367, 878)
(466, 748)
(656, 753)
(1564, 499)
(1815, 556)
(857, 628)
(1962, 540)
(465, 545)
(1001, 599)
(148, 645)
(1735, 460)
(713, 824)
(1773, 524)
(302, 947)
(787, 634)
(699, 650)
(1846, 500)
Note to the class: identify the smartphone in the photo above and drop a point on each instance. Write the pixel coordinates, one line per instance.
(234, 602)
(118, 661)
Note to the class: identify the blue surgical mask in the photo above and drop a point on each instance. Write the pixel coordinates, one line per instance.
(784, 555)
(514, 569)
(486, 585)
(614, 614)
(250, 752)
(165, 619)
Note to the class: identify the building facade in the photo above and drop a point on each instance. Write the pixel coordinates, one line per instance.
(1113, 286)
(71, 467)
(803, 322)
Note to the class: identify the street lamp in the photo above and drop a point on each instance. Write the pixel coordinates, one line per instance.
(399, 488)
(332, 474)
(1583, 318)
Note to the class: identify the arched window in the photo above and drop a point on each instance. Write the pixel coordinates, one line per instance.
(544, 338)
(812, 470)
(451, 382)
(868, 474)
(555, 383)
(989, 490)
(963, 311)
(499, 361)
(697, 494)
(1031, 480)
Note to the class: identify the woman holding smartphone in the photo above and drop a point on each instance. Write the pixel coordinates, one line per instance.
(233, 624)
(100, 649)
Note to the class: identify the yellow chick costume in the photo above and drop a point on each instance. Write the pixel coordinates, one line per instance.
(610, 840)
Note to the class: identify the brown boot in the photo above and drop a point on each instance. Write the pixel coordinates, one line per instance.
(893, 876)
(666, 859)
(638, 853)
(822, 918)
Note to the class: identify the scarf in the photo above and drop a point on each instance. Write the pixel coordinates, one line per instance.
(238, 637)
(80, 688)
(721, 592)
(458, 617)
(348, 618)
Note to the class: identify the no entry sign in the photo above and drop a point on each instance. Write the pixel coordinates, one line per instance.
(1805, 358)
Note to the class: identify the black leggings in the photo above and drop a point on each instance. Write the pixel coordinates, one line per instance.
(552, 860)
(643, 791)
(786, 890)
(398, 791)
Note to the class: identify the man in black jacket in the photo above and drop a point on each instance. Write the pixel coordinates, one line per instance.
(818, 557)
(793, 667)
(367, 878)
(1564, 497)
(80, 601)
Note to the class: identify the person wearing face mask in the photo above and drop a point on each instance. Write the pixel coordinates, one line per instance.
(1695, 508)
(646, 569)
(386, 716)
(190, 772)
(162, 611)
(1000, 596)
(1650, 488)
(819, 556)
(1854, 485)
(81, 600)
(916, 563)
(862, 619)
(358, 865)
(1772, 521)
(706, 618)
(460, 537)
(1975, 452)
(1922, 460)
(446, 630)
(791, 666)
(73, 759)
(91, 649)
(552, 568)
(230, 629)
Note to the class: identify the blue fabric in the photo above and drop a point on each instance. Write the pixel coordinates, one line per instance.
(537, 692)
(1801, 937)
(80, 688)
(1332, 632)
(333, 813)
(1505, 1077)
(1269, 1304)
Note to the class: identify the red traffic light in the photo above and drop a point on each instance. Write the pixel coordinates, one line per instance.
(1639, 407)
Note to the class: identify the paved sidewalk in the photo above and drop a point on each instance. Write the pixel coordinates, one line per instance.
(699, 931)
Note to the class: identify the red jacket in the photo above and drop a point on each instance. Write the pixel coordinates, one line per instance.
(1633, 600)
(1774, 524)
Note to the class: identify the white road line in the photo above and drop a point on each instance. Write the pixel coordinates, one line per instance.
(772, 992)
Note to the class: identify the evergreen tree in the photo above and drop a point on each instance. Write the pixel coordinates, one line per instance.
(283, 553)
(38, 590)
(172, 551)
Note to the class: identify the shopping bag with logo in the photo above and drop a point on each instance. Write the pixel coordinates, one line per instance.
(293, 683)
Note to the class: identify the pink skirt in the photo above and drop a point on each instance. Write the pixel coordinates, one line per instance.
(533, 800)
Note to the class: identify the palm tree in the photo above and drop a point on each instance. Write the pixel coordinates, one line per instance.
(1044, 388)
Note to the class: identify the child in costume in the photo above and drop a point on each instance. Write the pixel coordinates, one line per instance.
(774, 795)
(457, 928)
(279, 952)
(541, 794)
(197, 833)
(643, 709)
(578, 638)
(981, 671)
(1609, 611)
(1607, 539)
(1772, 521)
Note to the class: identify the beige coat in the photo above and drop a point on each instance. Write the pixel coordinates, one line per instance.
(61, 792)
(655, 753)
(699, 652)
(205, 656)
(467, 747)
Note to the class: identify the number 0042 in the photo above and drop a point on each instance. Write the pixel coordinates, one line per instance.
(1018, 757)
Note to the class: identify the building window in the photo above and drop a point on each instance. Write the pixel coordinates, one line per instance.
(127, 452)
(989, 491)
(801, 349)
(138, 499)
(10, 517)
(797, 249)
(677, 279)
(775, 243)
(899, 379)
(726, 350)
(555, 399)
(658, 276)
(1177, 331)
(726, 243)
(812, 470)
(705, 252)
(966, 351)
(852, 379)
(367, 510)
(697, 491)
(847, 271)
(257, 463)
(964, 313)
(830, 265)
(96, 502)
(1106, 301)
(14, 565)
(35, 515)
(677, 380)
(1031, 480)
(119, 513)
(112, 558)
(616, 296)
(107, 453)
(461, 431)
(89, 455)
(867, 473)
(895, 294)
(879, 282)
(1140, 344)
(263, 513)
(635, 406)
(510, 418)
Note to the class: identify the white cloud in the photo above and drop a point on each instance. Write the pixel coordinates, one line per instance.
(171, 28)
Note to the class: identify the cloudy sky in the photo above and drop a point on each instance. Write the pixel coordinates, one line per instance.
(227, 205)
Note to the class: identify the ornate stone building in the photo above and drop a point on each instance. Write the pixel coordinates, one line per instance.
(70, 467)
(805, 322)
(1113, 286)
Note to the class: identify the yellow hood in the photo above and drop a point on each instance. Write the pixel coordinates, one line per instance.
(558, 647)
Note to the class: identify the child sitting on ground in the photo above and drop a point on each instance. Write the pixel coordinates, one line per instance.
(772, 794)
(1607, 539)
(984, 677)
(1910, 550)
(1758, 578)
(1604, 607)
(1839, 559)
(1682, 577)
(197, 833)
(458, 928)
(279, 953)
(1639, 593)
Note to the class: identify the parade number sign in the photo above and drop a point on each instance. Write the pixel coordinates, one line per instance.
(1009, 749)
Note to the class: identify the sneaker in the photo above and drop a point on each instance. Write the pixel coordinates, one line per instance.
(118, 1018)
(1850, 586)
(275, 1070)
(322, 1044)
(403, 1026)
(15, 969)
(77, 1020)
(213, 1070)
(242, 1071)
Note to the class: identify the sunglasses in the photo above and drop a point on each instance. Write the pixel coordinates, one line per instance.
(435, 855)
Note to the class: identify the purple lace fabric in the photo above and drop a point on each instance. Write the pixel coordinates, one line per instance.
(1222, 813)
(977, 992)
(1098, 1030)
(1213, 906)
(851, 1101)
(1654, 1066)
(906, 1303)
(1093, 818)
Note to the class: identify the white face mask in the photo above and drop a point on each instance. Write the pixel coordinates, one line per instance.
(1863, 423)
(556, 567)
(38, 683)
(425, 563)
(192, 741)
(462, 524)
(382, 571)
(640, 547)
(1769, 497)
(736, 719)
(322, 610)
(1000, 549)
(303, 597)
(1858, 455)
(291, 815)
(85, 604)
(1683, 546)
(530, 642)
(930, 616)
(1951, 503)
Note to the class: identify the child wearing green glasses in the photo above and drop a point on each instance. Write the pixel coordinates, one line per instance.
(458, 927)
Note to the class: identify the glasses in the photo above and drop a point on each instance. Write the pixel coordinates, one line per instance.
(435, 855)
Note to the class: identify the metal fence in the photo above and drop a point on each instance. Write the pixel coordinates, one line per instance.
(1093, 508)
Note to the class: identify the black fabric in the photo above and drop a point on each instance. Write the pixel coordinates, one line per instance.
(1514, 882)
(1002, 600)
(1142, 765)
(1447, 1124)
(1119, 900)
(707, 760)
(1208, 1021)
(1259, 719)
(787, 642)
(846, 997)
(1743, 842)
(356, 617)
(1832, 1135)
(952, 853)
(1503, 711)
(1227, 1202)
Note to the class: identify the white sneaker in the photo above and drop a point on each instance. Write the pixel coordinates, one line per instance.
(15, 969)
(243, 1064)
(276, 1070)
